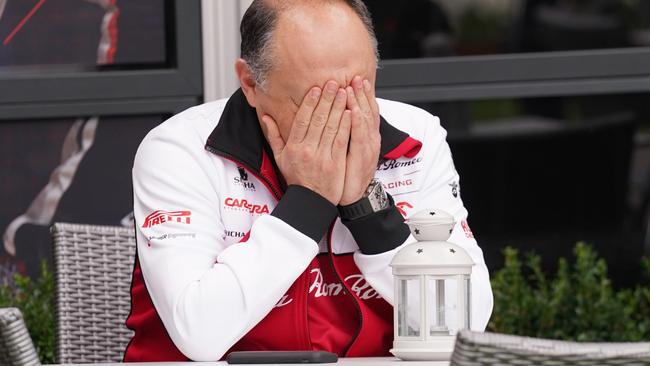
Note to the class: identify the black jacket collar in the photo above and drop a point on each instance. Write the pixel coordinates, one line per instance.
(238, 136)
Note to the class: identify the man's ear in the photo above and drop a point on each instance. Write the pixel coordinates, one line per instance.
(246, 81)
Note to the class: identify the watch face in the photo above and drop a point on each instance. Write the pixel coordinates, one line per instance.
(377, 197)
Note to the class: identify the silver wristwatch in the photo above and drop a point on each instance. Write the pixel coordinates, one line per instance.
(374, 199)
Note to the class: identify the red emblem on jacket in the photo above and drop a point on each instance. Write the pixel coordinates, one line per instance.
(402, 206)
(160, 216)
(466, 229)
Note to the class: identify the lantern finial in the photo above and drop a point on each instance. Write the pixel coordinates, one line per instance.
(431, 225)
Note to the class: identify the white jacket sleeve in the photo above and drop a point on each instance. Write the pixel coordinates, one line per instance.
(436, 193)
(207, 294)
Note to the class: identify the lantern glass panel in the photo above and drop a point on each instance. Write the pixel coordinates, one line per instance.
(408, 307)
(447, 309)
(438, 311)
(468, 292)
(441, 306)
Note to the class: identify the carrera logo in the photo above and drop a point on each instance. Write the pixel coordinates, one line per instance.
(401, 183)
(244, 205)
(160, 216)
(392, 164)
(402, 207)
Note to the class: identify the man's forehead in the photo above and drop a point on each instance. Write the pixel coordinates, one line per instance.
(284, 5)
(313, 46)
(301, 82)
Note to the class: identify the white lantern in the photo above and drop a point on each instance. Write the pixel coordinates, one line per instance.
(432, 290)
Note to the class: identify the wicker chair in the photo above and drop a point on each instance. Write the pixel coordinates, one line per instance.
(497, 349)
(93, 267)
(16, 347)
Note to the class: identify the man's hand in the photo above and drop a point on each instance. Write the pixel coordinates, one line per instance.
(314, 154)
(365, 140)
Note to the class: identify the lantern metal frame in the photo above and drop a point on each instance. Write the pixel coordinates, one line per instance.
(455, 268)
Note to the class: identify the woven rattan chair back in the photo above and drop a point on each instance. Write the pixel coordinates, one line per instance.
(478, 349)
(16, 347)
(93, 267)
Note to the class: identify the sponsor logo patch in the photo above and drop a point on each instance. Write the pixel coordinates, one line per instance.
(468, 232)
(284, 301)
(358, 285)
(398, 184)
(235, 234)
(402, 207)
(454, 189)
(392, 164)
(160, 216)
(172, 236)
(244, 205)
(242, 180)
(319, 288)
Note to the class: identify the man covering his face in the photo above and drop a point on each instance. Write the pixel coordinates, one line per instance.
(267, 221)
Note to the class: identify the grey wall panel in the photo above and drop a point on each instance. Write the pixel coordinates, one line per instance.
(96, 108)
(514, 67)
(522, 89)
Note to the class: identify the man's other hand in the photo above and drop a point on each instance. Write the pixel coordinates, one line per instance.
(365, 140)
(314, 155)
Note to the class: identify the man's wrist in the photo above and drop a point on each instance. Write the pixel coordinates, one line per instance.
(347, 202)
(374, 199)
(380, 231)
(306, 211)
(356, 210)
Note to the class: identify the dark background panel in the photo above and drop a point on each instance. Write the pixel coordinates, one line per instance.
(59, 32)
(100, 193)
(67, 32)
(28, 154)
(426, 28)
(540, 174)
(146, 32)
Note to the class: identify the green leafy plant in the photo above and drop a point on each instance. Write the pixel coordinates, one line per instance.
(578, 303)
(35, 299)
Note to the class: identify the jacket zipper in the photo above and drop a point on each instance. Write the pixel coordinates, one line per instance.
(347, 290)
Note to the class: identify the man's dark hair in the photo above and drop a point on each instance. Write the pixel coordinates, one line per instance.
(260, 21)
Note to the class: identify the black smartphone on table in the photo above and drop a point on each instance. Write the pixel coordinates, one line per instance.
(270, 357)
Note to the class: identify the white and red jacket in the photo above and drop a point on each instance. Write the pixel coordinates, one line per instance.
(229, 259)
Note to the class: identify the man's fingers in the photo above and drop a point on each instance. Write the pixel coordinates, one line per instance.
(272, 133)
(303, 116)
(321, 113)
(340, 145)
(370, 94)
(332, 126)
(359, 127)
(352, 99)
(362, 99)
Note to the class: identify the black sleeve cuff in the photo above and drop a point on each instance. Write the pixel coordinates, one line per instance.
(306, 211)
(379, 232)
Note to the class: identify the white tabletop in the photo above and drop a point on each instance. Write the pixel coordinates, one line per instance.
(360, 361)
